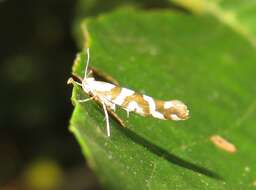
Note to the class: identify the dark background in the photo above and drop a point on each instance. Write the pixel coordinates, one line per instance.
(37, 53)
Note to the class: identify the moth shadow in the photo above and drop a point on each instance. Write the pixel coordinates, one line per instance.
(173, 159)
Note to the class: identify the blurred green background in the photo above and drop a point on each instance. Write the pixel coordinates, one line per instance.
(37, 52)
(39, 41)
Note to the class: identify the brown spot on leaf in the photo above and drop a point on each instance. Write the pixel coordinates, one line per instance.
(223, 144)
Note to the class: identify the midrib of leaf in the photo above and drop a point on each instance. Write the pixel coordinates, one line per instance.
(247, 113)
(227, 17)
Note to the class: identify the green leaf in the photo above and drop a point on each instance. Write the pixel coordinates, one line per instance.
(166, 55)
(89, 8)
(239, 15)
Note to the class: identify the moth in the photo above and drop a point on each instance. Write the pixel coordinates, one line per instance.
(111, 95)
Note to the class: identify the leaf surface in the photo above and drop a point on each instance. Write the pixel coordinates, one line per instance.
(239, 15)
(167, 55)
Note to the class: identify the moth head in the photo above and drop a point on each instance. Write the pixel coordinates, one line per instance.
(75, 80)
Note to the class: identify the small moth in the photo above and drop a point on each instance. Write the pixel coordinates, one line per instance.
(110, 96)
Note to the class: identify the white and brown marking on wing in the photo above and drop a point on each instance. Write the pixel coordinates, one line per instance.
(110, 95)
(145, 105)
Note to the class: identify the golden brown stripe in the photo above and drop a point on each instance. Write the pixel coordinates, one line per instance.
(138, 98)
(160, 108)
(113, 93)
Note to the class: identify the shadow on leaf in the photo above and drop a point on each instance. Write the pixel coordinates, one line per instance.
(157, 150)
(166, 155)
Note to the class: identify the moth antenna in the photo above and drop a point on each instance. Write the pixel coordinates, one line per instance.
(87, 62)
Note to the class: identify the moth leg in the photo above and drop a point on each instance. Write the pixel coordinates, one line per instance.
(107, 119)
(85, 100)
(116, 117)
(127, 112)
(112, 107)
